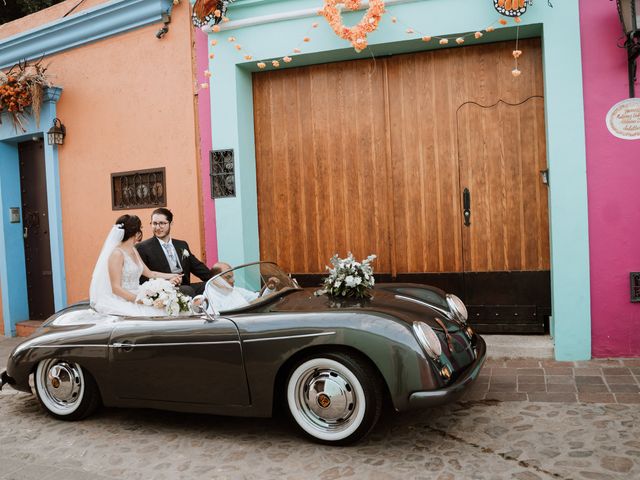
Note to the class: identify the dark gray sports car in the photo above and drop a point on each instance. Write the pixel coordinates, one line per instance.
(267, 343)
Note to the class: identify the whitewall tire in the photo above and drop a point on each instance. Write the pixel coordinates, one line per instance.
(64, 390)
(335, 398)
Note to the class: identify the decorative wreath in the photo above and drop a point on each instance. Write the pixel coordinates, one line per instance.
(357, 34)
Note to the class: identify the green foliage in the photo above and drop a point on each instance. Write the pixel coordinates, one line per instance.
(13, 9)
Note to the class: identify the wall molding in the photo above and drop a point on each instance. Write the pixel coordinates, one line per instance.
(287, 15)
(102, 21)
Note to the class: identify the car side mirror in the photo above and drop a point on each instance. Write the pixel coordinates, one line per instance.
(200, 306)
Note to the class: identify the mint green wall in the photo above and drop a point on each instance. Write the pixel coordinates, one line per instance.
(232, 123)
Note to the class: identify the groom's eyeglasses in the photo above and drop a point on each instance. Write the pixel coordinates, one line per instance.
(159, 224)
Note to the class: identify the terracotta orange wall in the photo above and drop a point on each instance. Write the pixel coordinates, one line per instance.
(128, 104)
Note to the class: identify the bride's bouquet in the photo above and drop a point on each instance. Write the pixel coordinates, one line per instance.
(160, 293)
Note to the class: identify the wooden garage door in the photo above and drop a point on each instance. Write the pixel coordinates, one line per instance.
(373, 157)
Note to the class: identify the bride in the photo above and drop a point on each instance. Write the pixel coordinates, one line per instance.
(116, 277)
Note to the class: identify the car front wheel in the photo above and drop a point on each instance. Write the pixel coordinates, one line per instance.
(64, 390)
(335, 398)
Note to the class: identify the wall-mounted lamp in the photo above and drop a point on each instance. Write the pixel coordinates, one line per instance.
(57, 132)
(629, 11)
(166, 19)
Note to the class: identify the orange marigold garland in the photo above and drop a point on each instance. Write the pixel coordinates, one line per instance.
(357, 34)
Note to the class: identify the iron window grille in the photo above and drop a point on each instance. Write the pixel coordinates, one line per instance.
(222, 173)
(138, 189)
(635, 287)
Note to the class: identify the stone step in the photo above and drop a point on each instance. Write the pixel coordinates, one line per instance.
(519, 346)
(26, 328)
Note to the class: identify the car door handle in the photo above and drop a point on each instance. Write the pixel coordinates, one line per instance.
(125, 346)
(466, 205)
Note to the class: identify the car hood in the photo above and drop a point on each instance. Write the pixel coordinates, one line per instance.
(403, 301)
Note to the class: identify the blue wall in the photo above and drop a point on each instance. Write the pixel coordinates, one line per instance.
(269, 29)
(13, 276)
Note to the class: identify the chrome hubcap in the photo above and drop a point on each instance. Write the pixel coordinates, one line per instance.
(63, 383)
(327, 399)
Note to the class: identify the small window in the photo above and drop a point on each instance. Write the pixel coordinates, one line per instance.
(138, 189)
(222, 172)
(635, 287)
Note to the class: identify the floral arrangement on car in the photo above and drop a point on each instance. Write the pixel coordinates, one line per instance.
(160, 293)
(21, 87)
(349, 278)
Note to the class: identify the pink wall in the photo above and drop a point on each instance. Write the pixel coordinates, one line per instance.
(613, 175)
(204, 129)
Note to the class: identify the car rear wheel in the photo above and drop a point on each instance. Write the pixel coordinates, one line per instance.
(64, 390)
(335, 398)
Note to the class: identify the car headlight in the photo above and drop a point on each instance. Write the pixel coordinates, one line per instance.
(428, 339)
(457, 307)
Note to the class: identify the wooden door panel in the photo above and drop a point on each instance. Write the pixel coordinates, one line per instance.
(425, 173)
(321, 165)
(501, 152)
(35, 220)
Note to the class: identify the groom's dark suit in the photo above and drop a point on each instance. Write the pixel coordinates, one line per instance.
(153, 256)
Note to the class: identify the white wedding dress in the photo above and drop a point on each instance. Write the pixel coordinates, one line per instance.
(101, 296)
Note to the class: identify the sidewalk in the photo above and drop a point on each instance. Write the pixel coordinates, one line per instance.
(593, 381)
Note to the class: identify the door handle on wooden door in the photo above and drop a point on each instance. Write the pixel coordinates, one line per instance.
(466, 205)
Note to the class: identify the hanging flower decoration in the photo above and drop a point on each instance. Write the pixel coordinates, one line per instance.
(514, 9)
(206, 10)
(22, 87)
(511, 8)
(357, 34)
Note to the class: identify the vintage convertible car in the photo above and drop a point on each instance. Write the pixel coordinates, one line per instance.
(331, 363)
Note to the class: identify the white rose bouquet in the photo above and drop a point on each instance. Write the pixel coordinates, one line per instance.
(349, 278)
(160, 293)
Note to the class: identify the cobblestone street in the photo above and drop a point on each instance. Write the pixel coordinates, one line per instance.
(473, 439)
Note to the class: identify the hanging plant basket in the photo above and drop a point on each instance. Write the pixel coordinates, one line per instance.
(22, 87)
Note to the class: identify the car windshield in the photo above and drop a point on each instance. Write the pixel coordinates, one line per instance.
(247, 285)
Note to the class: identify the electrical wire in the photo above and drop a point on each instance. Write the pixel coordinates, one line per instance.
(72, 9)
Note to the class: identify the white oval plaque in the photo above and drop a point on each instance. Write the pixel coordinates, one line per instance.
(623, 120)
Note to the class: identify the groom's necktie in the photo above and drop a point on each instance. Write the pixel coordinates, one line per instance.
(173, 260)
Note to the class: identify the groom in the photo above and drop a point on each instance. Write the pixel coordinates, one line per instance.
(162, 253)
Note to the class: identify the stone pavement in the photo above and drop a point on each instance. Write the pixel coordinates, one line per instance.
(526, 438)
